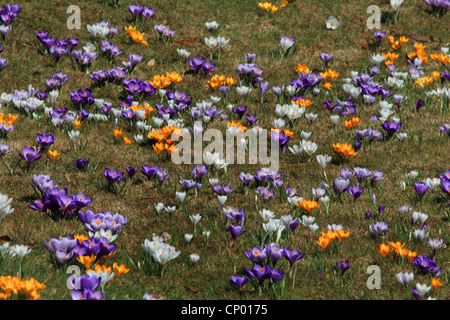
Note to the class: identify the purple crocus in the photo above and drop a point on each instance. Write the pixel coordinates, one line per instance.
(274, 252)
(445, 129)
(113, 176)
(240, 110)
(131, 171)
(81, 164)
(292, 255)
(425, 264)
(45, 139)
(196, 63)
(238, 281)
(135, 9)
(162, 174)
(148, 13)
(355, 191)
(340, 184)
(257, 254)
(30, 154)
(4, 149)
(419, 104)
(208, 67)
(421, 188)
(391, 127)
(378, 228)
(379, 35)
(326, 57)
(199, 171)
(265, 193)
(236, 231)
(343, 266)
(260, 273)
(250, 57)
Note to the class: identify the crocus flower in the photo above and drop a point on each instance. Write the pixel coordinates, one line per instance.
(424, 263)
(391, 127)
(113, 176)
(257, 254)
(149, 172)
(260, 273)
(343, 266)
(199, 171)
(421, 188)
(405, 278)
(238, 281)
(378, 228)
(292, 256)
(355, 191)
(131, 171)
(286, 43)
(45, 139)
(30, 154)
(326, 57)
(235, 231)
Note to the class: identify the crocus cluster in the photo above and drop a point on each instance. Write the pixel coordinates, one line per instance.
(139, 11)
(9, 12)
(161, 251)
(82, 97)
(103, 224)
(201, 64)
(102, 29)
(57, 201)
(114, 75)
(164, 31)
(54, 47)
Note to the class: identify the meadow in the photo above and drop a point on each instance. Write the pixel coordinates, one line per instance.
(93, 207)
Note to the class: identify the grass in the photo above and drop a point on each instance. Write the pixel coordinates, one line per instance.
(250, 30)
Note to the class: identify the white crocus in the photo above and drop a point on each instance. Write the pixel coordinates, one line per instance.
(332, 23)
(433, 183)
(222, 42)
(194, 258)
(180, 196)
(188, 237)
(73, 135)
(183, 53)
(305, 135)
(243, 91)
(309, 147)
(266, 214)
(211, 42)
(422, 289)
(296, 149)
(377, 59)
(395, 4)
(334, 119)
(5, 206)
(281, 110)
(211, 25)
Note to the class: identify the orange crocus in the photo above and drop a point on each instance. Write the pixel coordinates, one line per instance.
(436, 283)
(126, 140)
(87, 260)
(117, 133)
(118, 270)
(53, 154)
(342, 236)
(77, 123)
(384, 249)
(323, 242)
(159, 147)
(307, 205)
(397, 247)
